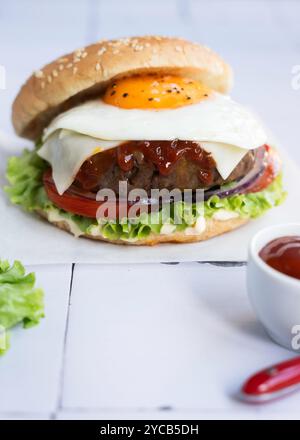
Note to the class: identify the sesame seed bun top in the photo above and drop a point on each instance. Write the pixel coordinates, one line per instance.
(83, 74)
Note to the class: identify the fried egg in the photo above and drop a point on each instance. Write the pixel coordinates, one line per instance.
(151, 107)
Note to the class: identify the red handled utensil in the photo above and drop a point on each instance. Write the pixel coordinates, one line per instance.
(272, 383)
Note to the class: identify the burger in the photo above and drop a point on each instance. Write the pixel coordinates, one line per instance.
(122, 126)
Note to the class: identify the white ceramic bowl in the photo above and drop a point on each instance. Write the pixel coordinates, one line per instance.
(274, 296)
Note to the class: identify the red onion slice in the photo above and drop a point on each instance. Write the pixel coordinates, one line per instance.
(246, 181)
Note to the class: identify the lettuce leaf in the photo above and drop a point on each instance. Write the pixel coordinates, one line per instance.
(20, 301)
(250, 205)
(24, 174)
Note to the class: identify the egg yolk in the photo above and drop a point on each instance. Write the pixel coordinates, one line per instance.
(155, 92)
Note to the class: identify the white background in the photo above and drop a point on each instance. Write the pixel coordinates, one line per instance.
(149, 340)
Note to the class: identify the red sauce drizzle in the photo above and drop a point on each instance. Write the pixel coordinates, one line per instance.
(283, 254)
(163, 154)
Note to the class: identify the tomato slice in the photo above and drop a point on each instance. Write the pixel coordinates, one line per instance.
(82, 202)
(68, 201)
(271, 171)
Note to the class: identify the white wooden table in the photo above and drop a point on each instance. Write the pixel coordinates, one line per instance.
(136, 341)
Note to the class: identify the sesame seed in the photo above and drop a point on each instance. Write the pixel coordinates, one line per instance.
(62, 60)
(147, 44)
(101, 51)
(124, 41)
(97, 66)
(61, 67)
(54, 73)
(125, 95)
(76, 60)
(116, 51)
(178, 48)
(79, 52)
(138, 48)
(43, 84)
(49, 79)
(68, 66)
(39, 74)
(84, 55)
(75, 69)
(156, 99)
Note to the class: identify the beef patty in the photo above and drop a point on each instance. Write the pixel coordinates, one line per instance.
(159, 164)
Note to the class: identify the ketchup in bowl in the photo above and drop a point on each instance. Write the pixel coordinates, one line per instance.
(283, 254)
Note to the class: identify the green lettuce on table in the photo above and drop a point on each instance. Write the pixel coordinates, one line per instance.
(20, 301)
(24, 174)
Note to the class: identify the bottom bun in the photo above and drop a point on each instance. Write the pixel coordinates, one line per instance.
(213, 228)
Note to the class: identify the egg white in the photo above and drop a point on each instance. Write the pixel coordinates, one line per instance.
(215, 119)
